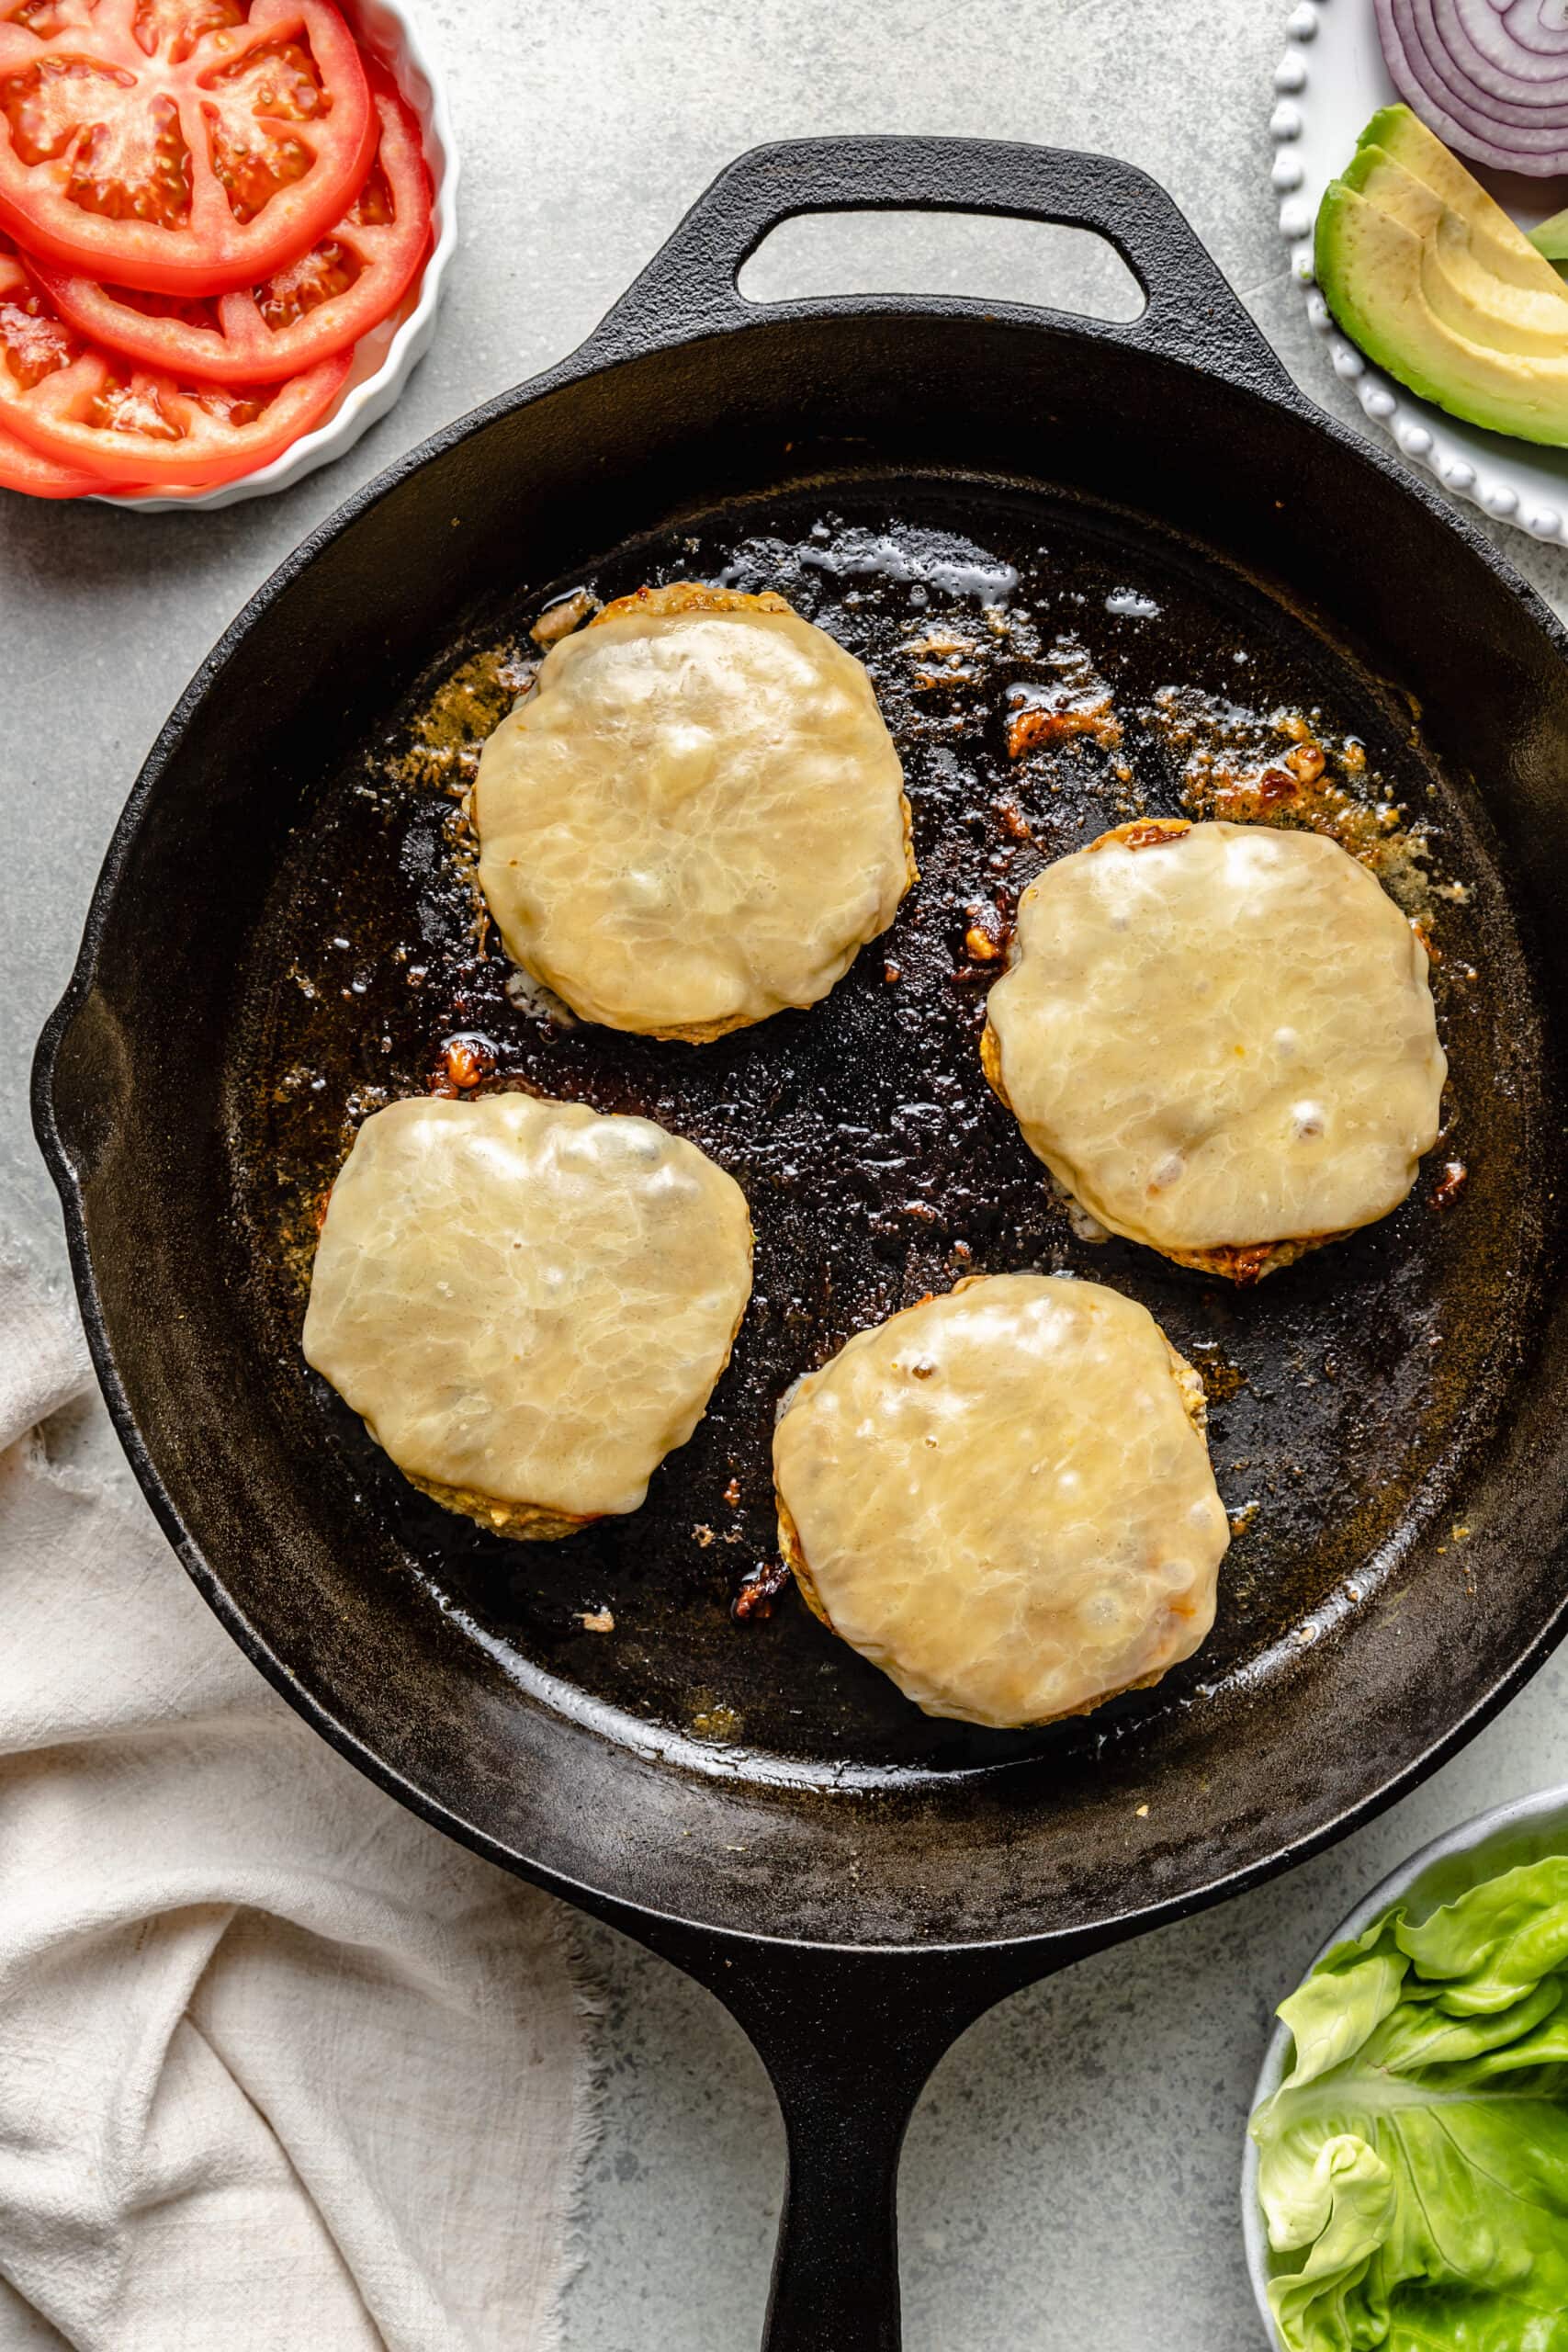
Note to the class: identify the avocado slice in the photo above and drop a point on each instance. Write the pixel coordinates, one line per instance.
(1551, 237)
(1371, 268)
(1527, 312)
(1497, 241)
(1405, 138)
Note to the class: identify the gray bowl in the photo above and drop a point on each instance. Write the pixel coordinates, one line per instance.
(1502, 1840)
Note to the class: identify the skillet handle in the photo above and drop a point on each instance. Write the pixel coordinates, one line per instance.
(849, 2040)
(689, 289)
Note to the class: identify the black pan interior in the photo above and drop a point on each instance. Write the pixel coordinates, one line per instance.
(895, 472)
(878, 1164)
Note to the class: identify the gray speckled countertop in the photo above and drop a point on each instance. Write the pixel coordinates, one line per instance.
(1070, 2177)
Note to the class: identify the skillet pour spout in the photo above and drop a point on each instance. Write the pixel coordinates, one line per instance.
(856, 1882)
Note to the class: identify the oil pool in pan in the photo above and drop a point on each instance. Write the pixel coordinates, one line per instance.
(878, 1164)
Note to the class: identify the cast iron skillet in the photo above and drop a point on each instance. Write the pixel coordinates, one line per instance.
(855, 1882)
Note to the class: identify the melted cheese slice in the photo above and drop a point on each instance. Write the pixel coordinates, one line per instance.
(696, 818)
(1220, 1038)
(528, 1302)
(1002, 1497)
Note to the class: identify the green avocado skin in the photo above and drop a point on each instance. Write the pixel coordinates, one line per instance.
(1383, 311)
(1552, 238)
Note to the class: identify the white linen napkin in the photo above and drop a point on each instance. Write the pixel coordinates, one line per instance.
(280, 2067)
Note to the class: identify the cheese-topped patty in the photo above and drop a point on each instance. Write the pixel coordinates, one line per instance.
(696, 818)
(528, 1302)
(1002, 1497)
(1220, 1040)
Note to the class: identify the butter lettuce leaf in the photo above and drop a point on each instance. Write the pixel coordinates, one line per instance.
(1413, 2166)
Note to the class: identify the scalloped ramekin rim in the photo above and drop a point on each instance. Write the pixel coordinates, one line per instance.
(386, 27)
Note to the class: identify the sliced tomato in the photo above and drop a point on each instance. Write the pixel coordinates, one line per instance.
(348, 282)
(92, 412)
(25, 467)
(186, 146)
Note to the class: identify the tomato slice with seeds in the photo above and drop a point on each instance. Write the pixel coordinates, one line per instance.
(184, 146)
(27, 468)
(89, 410)
(348, 282)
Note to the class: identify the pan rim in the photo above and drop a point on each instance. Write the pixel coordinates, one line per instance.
(590, 361)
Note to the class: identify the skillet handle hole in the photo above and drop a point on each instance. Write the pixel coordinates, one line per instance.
(990, 259)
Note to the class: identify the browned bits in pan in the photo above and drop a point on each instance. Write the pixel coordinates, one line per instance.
(558, 620)
(1232, 769)
(1034, 724)
(758, 1592)
(1246, 1266)
(1451, 1184)
(465, 1064)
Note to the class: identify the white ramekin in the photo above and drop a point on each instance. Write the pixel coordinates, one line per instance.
(384, 362)
(1523, 1831)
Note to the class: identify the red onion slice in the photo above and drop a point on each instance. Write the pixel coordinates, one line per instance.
(1493, 70)
(1515, 146)
(1440, 53)
(1499, 117)
(1431, 82)
(1537, 25)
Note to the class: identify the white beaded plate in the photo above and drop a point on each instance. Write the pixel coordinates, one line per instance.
(1330, 81)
